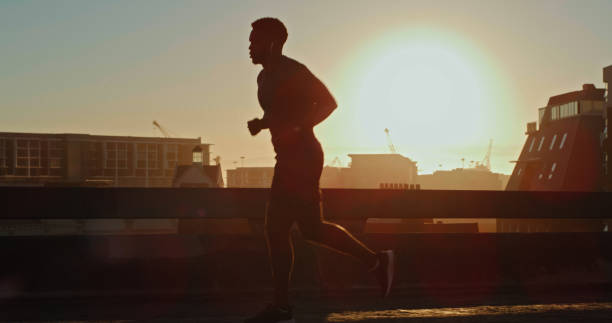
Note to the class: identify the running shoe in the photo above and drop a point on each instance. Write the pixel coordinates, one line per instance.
(384, 271)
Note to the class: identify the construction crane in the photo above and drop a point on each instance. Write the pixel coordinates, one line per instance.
(161, 129)
(389, 142)
(336, 162)
(486, 162)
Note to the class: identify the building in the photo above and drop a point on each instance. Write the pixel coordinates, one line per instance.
(250, 177)
(606, 143)
(365, 171)
(477, 178)
(197, 174)
(81, 159)
(334, 177)
(474, 178)
(392, 171)
(564, 154)
(374, 170)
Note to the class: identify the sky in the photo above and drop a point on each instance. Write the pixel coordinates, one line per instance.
(445, 77)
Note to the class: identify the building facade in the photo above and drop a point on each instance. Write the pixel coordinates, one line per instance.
(372, 170)
(250, 177)
(82, 159)
(564, 154)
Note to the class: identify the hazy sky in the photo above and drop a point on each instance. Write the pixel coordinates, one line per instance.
(443, 76)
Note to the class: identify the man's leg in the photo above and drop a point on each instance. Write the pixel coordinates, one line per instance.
(280, 249)
(315, 230)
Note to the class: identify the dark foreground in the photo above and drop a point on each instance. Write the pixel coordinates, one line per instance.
(593, 304)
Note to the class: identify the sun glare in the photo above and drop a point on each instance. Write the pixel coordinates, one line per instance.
(428, 87)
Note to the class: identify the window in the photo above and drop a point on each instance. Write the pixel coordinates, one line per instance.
(541, 143)
(22, 152)
(146, 156)
(552, 143)
(152, 156)
(591, 107)
(116, 155)
(532, 142)
(171, 156)
(55, 163)
(55, 153)
(586, 106)
(554, 113)
(3, 153)
(563, 140)
(28, 155)
(568, 110)
(552, 170)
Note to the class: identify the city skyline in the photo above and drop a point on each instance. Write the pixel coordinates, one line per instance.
(444, 78)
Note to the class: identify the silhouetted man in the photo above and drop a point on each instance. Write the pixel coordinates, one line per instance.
(294, 101)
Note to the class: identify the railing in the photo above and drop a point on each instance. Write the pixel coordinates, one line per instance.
(225, 203)
(216, 261)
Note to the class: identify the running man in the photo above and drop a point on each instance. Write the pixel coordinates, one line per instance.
(294, 101)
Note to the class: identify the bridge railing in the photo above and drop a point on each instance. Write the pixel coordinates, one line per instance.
(223, 203)
(215, 261)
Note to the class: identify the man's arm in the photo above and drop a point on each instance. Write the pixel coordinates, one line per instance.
(256, 125)
(323, 103)
(313, 101)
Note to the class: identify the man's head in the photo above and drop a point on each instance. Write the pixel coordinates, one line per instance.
(267, 39)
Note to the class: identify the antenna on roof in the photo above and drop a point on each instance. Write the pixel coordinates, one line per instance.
(389, 142)
(486, 162)
(167, 133)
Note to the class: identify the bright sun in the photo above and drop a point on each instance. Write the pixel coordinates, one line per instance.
(426, 86)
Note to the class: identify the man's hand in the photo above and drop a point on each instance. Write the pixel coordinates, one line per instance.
(254, 126)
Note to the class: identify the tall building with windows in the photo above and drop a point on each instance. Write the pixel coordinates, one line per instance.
(606, 143)
(81, 159)
(565, 153)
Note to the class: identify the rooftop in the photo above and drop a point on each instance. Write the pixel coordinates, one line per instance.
(78, 136)
(588, 92)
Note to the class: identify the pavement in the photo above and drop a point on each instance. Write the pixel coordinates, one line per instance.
(463, 308)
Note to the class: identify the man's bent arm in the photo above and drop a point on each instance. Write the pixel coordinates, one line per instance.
(321, 102)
